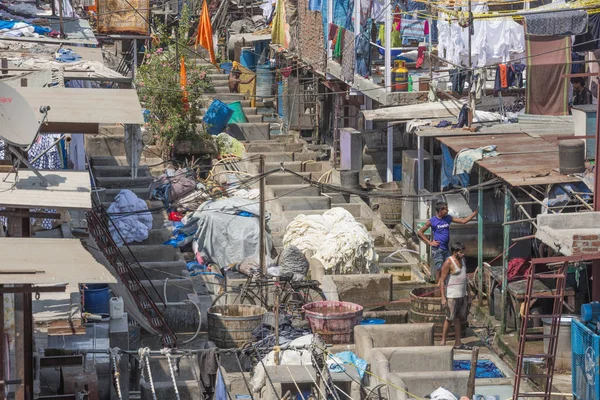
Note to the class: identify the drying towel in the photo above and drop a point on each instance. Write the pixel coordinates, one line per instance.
(466, 158)
(557, 23)
(339, 43)
(546, 64)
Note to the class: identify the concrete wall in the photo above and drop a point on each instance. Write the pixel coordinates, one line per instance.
(366, 290)
(417, 371)
(311, 42)
(570, 234)
(368, 338)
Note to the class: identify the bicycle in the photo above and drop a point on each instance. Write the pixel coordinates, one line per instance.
(294, 294)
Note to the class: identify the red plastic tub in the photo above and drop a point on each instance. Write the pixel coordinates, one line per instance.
(334, 320)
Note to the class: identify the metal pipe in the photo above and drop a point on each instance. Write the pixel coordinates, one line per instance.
(388, 47)
(390, 153)
(596, 264)
(505, 260)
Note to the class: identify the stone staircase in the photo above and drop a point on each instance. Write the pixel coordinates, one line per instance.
(262, 118)
(288, 195)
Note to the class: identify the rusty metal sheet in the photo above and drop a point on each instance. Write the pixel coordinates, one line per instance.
(523, 160)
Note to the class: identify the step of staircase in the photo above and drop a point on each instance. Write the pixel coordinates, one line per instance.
(113, 182)
(298, 166)
(294, 190)
(272, 147)
(108, 195)
(120, 171)
(284, 178)
(225, 97)
(305, 203)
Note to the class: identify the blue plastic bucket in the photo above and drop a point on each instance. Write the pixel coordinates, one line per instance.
(372, 321)
(216, 117)
(280, 98)
(264, 81)
(248, 58)
(226, 67)
(397, 172)
(96, 298)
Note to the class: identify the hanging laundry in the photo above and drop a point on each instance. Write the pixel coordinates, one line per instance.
(480, 77)
(557, 23)
(363, 50)
(502, 73)
(332, 32)
(458, 79)
(545, 64)
(315, 5)
(449, 180)
(348, 54)
(412, 30)
(420, 55)
(339, 43)
(590, 40)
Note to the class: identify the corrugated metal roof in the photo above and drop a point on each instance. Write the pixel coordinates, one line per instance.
(72, 190)
(523, 160)
(49, 262)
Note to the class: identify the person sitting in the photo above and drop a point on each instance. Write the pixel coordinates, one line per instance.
(581, 94)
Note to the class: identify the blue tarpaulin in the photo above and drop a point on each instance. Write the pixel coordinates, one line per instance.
(40, 30)
(448, 180)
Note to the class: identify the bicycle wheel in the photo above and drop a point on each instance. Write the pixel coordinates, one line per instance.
(235, 297)
(295, 299)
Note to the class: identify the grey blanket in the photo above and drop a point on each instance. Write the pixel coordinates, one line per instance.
(557, 23)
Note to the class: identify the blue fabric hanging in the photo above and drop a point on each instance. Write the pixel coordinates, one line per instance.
(450, 181)
(315, 5)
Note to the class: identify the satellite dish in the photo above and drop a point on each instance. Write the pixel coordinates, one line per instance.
(18, 123)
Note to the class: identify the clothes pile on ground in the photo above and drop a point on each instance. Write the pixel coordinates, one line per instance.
(336, 239)
(129, 221)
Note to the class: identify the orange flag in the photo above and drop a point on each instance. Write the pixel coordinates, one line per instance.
(205, 35)
(183, 84)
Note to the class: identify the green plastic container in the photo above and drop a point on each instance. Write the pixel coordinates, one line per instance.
(238, 113)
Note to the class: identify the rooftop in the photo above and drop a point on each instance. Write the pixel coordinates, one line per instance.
(523, 160)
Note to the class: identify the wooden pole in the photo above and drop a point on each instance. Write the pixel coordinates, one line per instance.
(507, 206)
(263, 264)
(60, 19)
(480, 237)
(472, 373)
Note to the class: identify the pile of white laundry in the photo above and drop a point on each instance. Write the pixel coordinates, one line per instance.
(336, 239)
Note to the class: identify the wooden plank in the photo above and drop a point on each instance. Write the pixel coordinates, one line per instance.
(65, 261)
(72, 190)
(85, 106)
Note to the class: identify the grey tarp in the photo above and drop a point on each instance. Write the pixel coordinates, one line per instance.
(223, 236)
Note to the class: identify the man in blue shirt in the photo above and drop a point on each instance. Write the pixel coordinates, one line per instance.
(440, 235)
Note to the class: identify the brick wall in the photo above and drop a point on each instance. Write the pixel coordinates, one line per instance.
(311, 45)
(586, 244)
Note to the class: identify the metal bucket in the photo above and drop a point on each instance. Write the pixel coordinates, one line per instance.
(426, 306)
(231, 326)
(564, 354)
(390, 210)
(334, 320)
